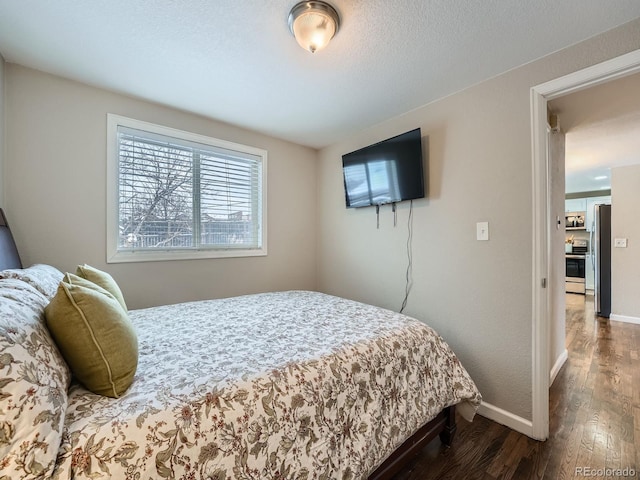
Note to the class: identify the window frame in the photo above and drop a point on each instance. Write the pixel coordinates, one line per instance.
(112, 198)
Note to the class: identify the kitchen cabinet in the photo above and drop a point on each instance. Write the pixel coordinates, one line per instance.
(575, 205)
(590, 203)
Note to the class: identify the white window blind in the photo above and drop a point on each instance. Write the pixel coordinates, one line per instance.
(179, 193)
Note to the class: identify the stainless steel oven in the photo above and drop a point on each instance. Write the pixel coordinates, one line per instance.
(575, 266)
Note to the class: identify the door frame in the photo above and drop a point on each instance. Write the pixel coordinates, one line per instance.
(542, 285)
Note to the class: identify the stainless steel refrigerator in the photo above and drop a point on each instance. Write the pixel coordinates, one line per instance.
(601, 258)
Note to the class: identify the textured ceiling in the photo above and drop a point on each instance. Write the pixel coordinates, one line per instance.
(235, 60)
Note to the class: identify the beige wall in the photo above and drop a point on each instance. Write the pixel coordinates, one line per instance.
(2, 143)
(478, 295)
(625, 274)
(55, 192)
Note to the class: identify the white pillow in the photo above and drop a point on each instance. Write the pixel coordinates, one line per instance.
(43, 278)
(34, 380)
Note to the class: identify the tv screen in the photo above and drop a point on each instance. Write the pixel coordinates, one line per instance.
(386, 172)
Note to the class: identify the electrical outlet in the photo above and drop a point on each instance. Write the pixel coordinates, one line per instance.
(620, 243)
(482, 230)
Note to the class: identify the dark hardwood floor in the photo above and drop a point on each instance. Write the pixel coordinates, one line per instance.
(594, 407)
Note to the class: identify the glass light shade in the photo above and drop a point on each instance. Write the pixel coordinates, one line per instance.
(313, 24)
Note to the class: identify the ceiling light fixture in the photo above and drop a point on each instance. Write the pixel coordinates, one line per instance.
(600, 177)
(313, 24)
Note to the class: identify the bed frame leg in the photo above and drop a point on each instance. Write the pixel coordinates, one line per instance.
(449, 430)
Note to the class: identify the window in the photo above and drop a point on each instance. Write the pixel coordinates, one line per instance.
(177, 195)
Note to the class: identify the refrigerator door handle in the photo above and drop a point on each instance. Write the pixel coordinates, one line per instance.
(596, 261)
(591, 251)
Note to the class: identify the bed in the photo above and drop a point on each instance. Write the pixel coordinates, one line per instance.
(279, 385)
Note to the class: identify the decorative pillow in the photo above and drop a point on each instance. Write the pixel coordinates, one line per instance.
(33, 385)
(95, 336)
(43, 278)
(102, 279)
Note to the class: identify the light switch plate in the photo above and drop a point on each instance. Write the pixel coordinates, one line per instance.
(482, 230)
(620, 243)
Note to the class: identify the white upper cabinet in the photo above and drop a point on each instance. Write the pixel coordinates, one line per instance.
(575, 205)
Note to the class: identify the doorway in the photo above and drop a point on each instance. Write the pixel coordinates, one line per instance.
(543, 219)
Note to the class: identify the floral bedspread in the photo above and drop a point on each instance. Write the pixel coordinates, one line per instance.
(289, 385)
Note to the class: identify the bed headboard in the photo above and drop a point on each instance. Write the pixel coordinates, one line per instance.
(9, 257)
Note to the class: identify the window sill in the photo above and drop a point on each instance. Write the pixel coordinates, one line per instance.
(162, 256)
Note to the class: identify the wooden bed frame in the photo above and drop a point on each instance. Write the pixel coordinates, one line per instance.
(444, 424)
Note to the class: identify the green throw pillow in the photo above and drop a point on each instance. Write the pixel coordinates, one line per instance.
(94, 335)
(102, 279)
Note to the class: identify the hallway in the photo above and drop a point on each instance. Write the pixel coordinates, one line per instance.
(594, 407)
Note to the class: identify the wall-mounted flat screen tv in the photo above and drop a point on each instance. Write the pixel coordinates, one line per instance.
(385, 172)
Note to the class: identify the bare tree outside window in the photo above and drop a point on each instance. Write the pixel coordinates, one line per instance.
(175, 196)
(156, 192)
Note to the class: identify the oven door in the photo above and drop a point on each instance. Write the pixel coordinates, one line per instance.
(575, 274)
(575, 267)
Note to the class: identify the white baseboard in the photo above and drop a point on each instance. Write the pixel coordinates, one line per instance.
(624, 318)
(507, 419)
(563, 357)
